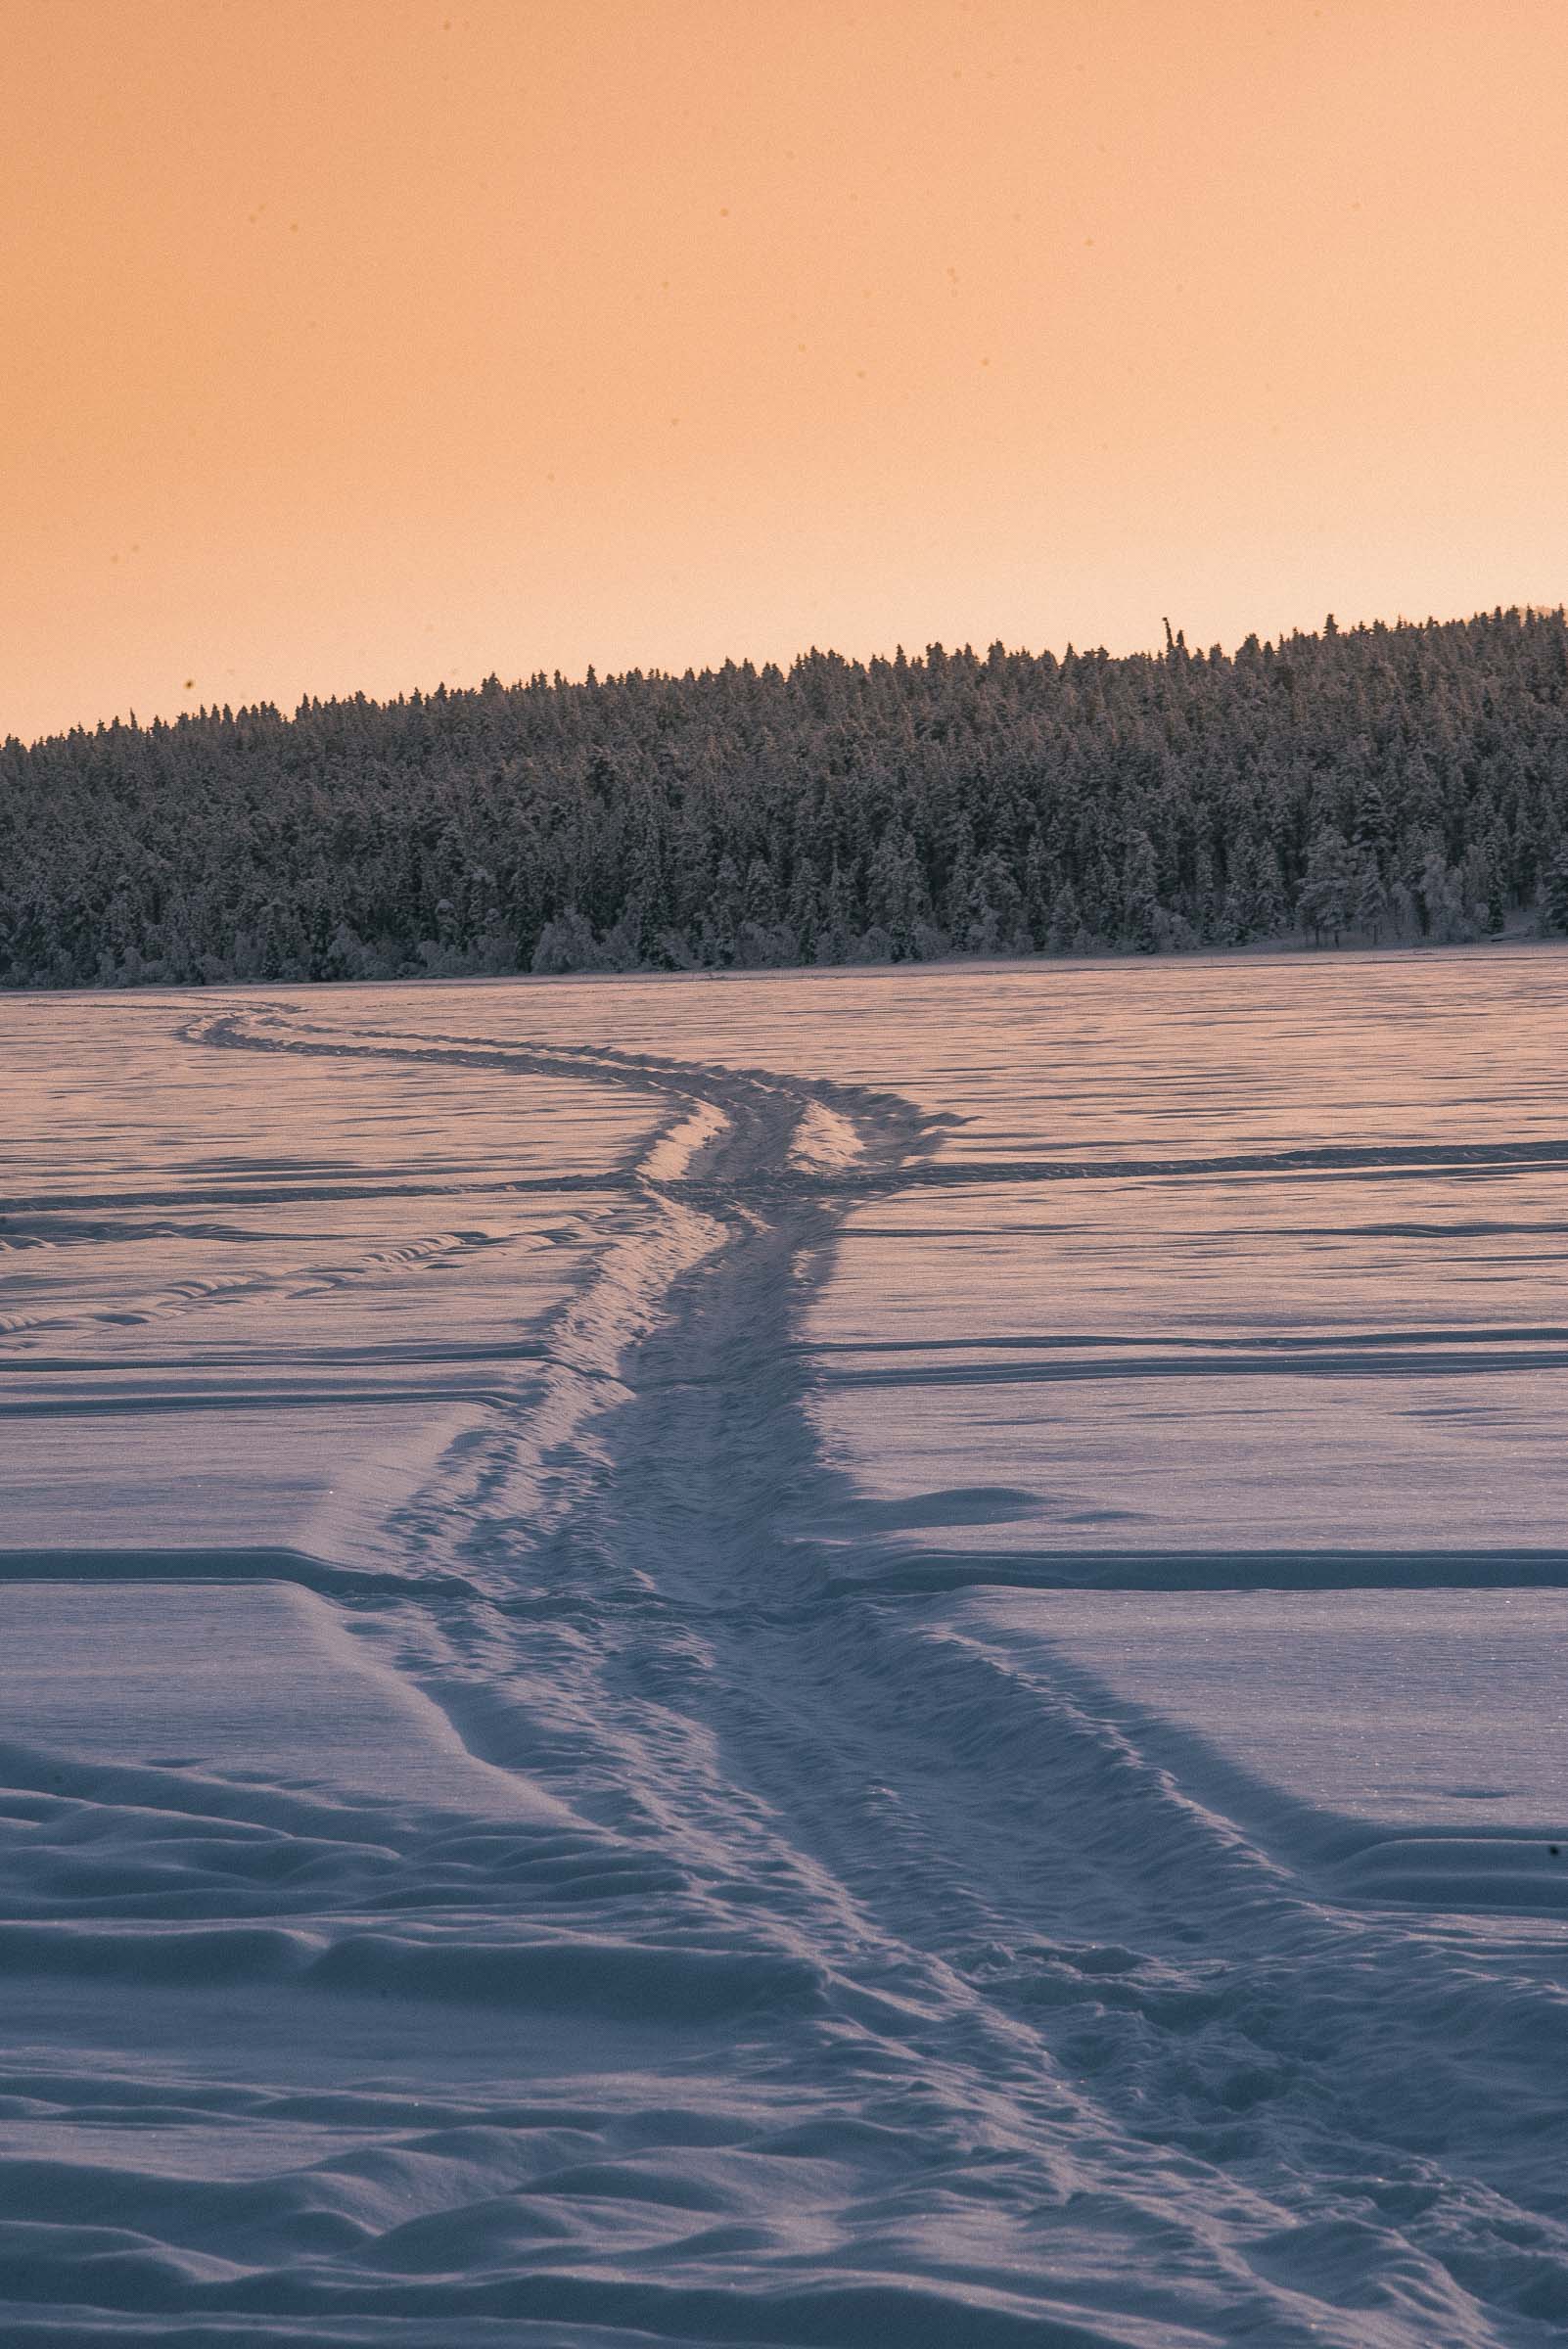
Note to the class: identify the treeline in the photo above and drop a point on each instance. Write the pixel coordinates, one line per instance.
(1380, 784)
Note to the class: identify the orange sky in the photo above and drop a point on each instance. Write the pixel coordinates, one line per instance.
(360, 344)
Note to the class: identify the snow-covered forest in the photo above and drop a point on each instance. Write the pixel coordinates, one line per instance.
(1373, 785)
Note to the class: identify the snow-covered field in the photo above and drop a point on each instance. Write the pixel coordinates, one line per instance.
(842, 1659)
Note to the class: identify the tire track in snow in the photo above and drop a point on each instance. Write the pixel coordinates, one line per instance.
(1088, 1993)
(727, 1134)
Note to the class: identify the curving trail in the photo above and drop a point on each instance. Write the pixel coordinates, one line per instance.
(843, 1979)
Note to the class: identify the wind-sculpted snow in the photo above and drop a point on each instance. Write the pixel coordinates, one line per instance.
(651, 1691)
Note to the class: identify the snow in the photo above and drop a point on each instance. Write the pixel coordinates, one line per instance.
(834, 1658)
(133, 1473)
(87, 1677)
(1334, 1722)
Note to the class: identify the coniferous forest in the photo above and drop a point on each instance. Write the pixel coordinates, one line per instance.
(1379, 785)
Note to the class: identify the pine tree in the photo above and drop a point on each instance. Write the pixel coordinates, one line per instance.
(1325, 895)
(1141, 897)
(1555, 894)
(1369, 899)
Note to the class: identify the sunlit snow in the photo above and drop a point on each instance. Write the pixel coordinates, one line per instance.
(843, 1658)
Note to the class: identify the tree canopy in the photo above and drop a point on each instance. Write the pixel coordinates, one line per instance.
(1370, 784)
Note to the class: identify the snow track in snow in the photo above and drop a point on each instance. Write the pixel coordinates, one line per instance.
(862, 1978)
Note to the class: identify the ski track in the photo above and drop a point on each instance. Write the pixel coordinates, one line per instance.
(864, 1988)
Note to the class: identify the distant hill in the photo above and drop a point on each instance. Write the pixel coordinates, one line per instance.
(1370, 785)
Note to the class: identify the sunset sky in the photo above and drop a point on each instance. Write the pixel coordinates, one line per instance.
(365, 344)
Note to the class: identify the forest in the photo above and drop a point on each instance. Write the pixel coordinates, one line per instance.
(1368, 786)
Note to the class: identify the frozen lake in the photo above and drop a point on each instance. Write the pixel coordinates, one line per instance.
(836, 1658)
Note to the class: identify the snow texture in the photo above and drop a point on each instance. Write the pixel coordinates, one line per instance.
(829, 1659)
